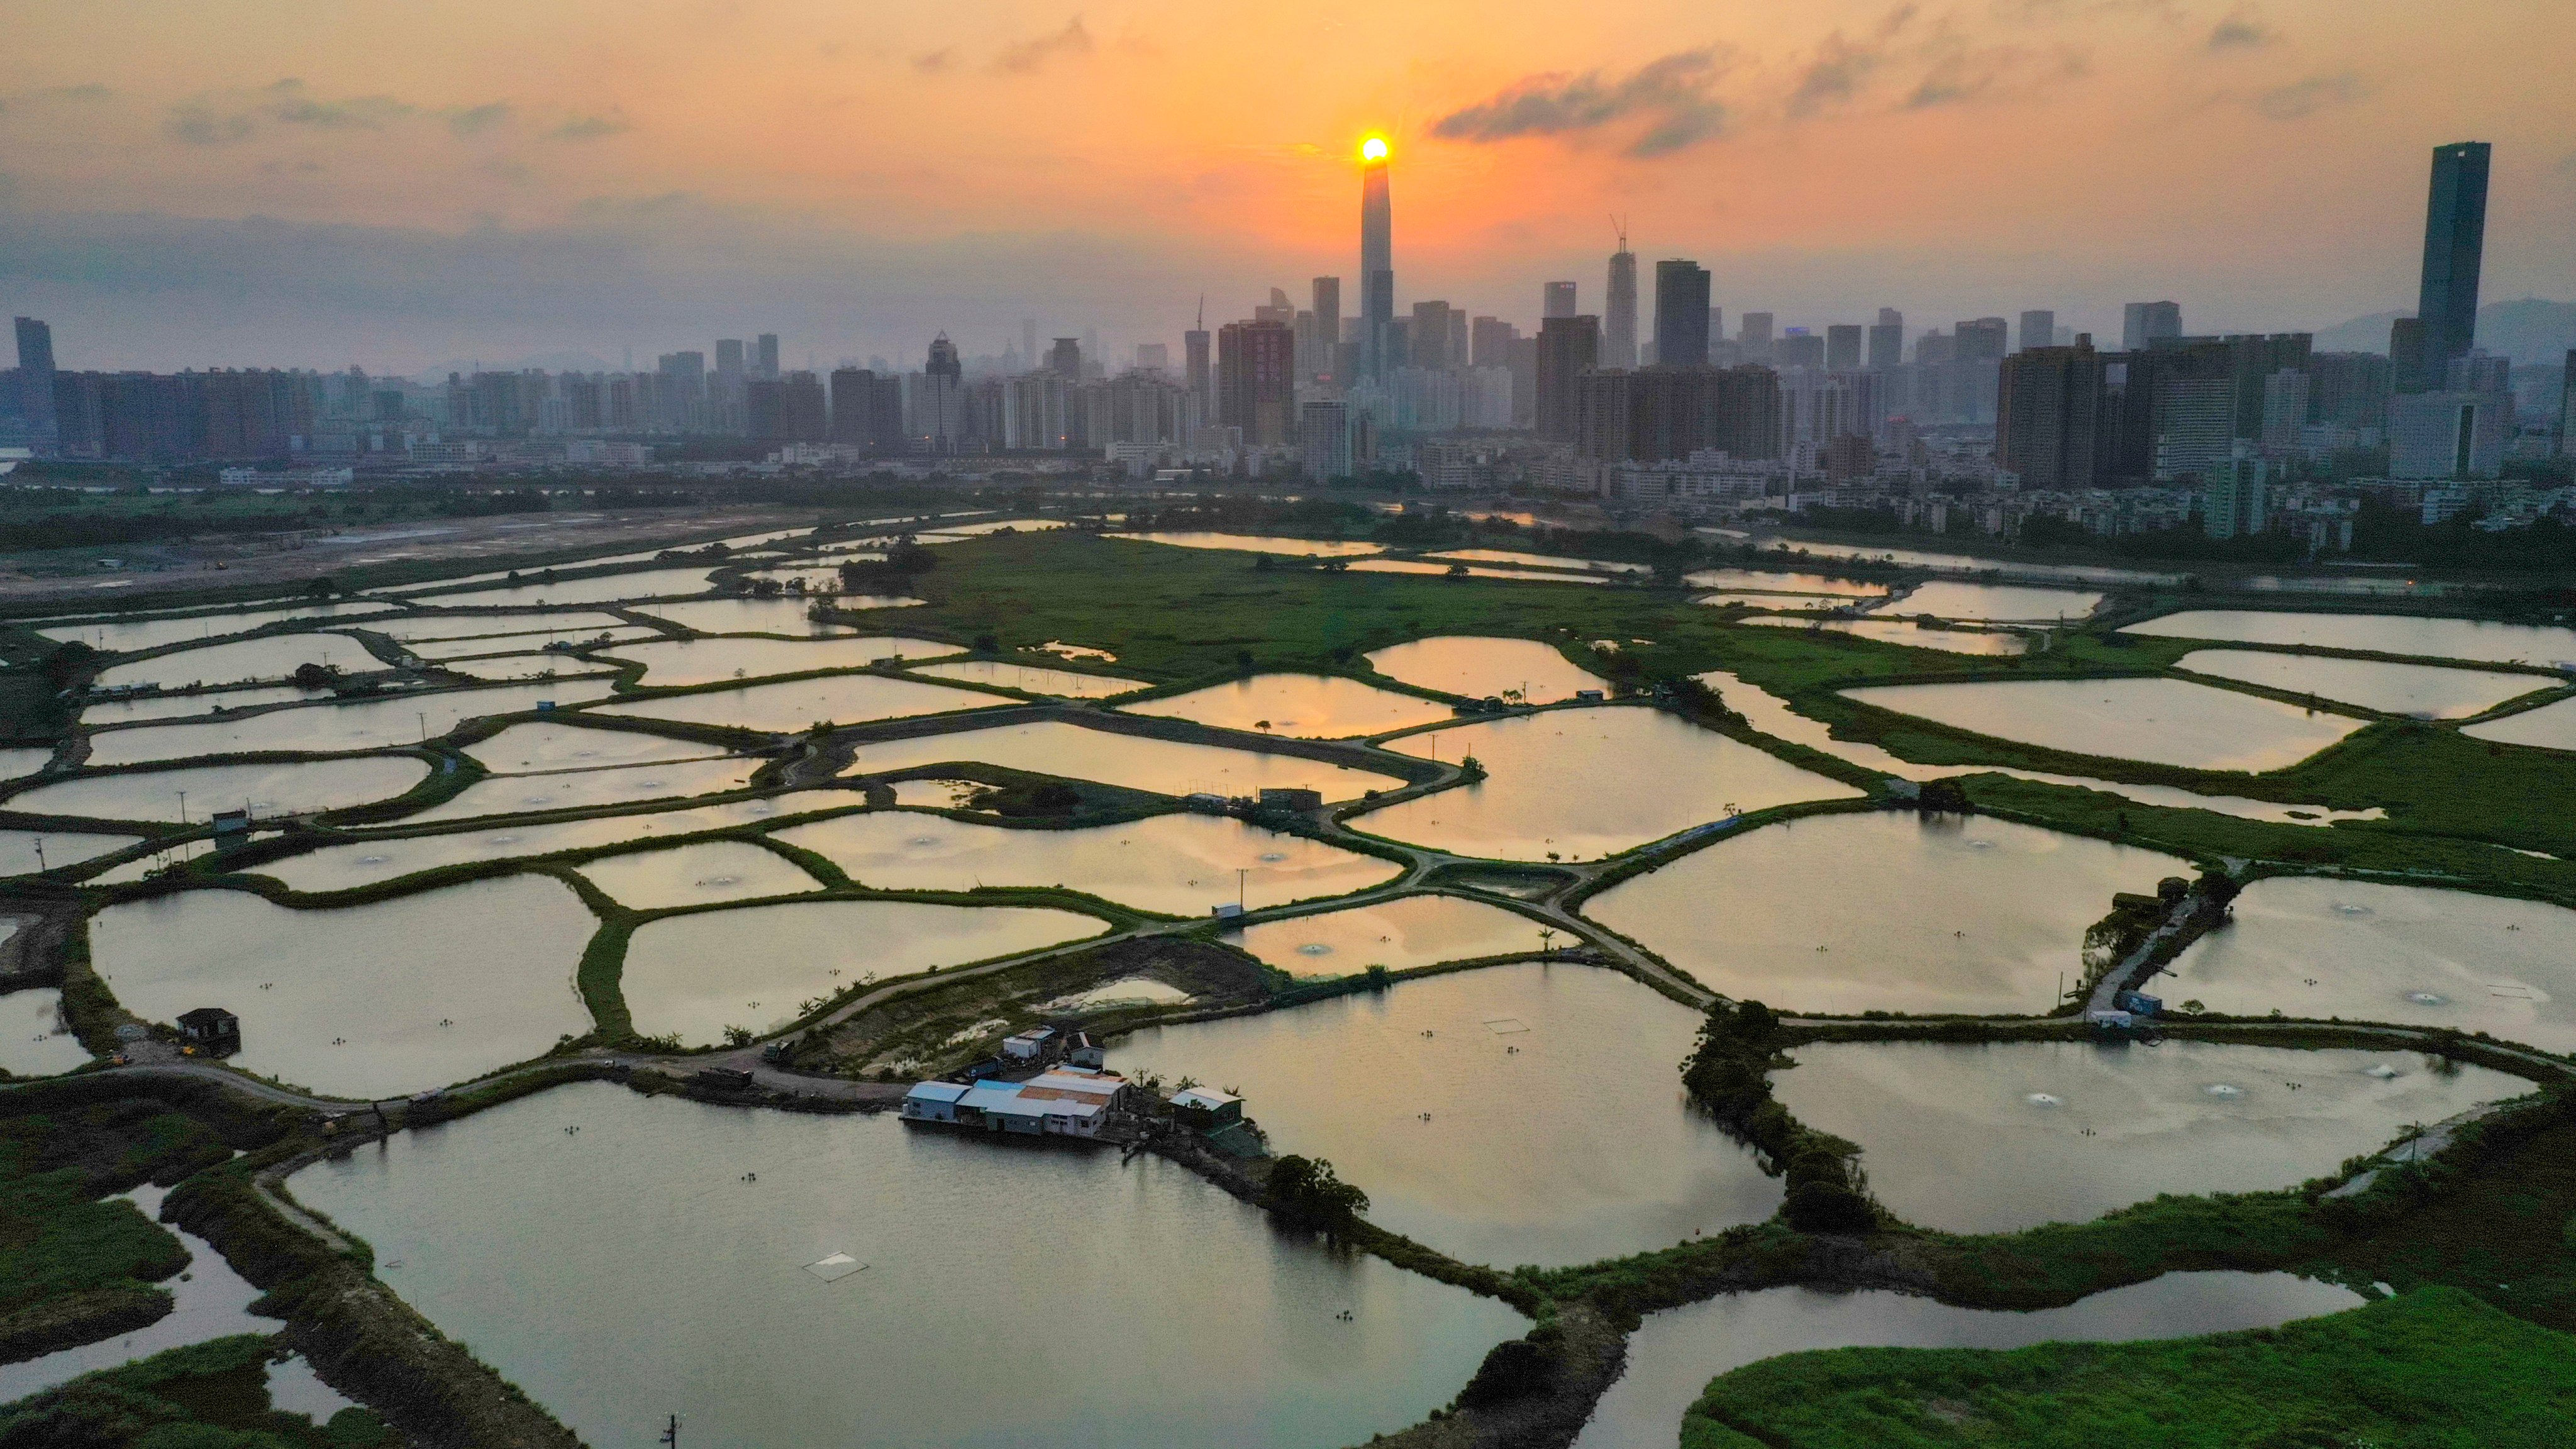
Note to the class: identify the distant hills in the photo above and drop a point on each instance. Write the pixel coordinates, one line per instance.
(2531, 331)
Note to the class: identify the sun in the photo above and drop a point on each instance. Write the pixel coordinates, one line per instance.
(1373, 149)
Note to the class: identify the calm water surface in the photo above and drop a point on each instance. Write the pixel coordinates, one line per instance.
(1136, 1305)
(766, 616)
(2474, 639)
(471, 646)
(695, 875)
(2369, 952)
(62, 847)
(2551, 727)
(414, 628)
(271, 658)
(1258, 543)
(175, 706)
(211, 1301)
(1945, 600)
(265, 789)
(1557, 1128)
(349, 1002)
(1474, 571)
(1312, 706)
(2161, 721)
(1478, 668)
(1169, 767)
(1766, 581)
(377, 724)
(1672, 1357)
(1965, 563)
(545, 745)
(692, 976)
(1032, 678)
(1780, 603)
(1883, 912)
(797, 703)
(35, 1041)
(1398, 935)
(340, 867)
(1543, 560)
(574, 789)
(2002, 1136)
(133, 635)
(1181, 865)
(2426, 691)
(1993, 643)
(528, 666)
(673, 662)
(1584, 783)
(606, 589)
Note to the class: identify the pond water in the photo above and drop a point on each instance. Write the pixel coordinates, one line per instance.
(2160, 721)
(547, 746)
(1181, 865)
(1003, 525)
(1780, 603)
(1990, 643)
(1585, 783)
(272, 657)
(1542, 560)
(605, 589)
(2425, 691)
(1062, 650)
(1169, 767)
(1765, 581)
(2551, 727)
(527, 666)
(1673, 1354)
(208, 1301)
(365, 862)
(783, 617)
(406, 719)
(674, 662)
(351, 1002)
(105, 712)
(577, 789)
(35, 1041)
(17, 763)
(1966, 563)
(1557, 1130)
(436, 650)
(1398, 935)
(2474, 639)
(18, 854)
(1945, 600)
(1473, 571)
(2365, 951)
(411, 628)
(1997, 1137)
(153, 862)
(133, 635)
(694, 875)
(1137, 1303)
(1312, 706)
(690, 976)
(1887, 911)
(1032, 678)
(265, 789)
(1481, 667)
(1258, 543)
(796, 704)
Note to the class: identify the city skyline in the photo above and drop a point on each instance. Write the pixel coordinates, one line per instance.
(254, 179)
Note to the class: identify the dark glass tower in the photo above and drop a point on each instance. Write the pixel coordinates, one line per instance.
(1681, 314)
(2455, 231)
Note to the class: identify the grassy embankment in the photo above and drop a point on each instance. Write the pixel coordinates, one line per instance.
(211, 1395)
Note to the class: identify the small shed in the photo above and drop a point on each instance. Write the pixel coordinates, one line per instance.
(1030, 1046)
(211, 1029)
(1206, 1109)
(1290, 798)
(232, 822)
(2138, 1003)
(1084, 1052)
(933, 1101)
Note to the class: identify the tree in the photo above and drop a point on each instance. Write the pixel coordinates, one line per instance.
(1307, 1189)
(64, 663)
(315, 676)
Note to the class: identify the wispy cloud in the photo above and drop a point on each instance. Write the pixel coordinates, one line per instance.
(936, 62)
(591, 128)
(1959, 73)
(291, 103)
(1841, 66)
(1670, 96)
(475, 120)
(1028, 57)
(2242, 30)
(2307, 97)
(195, 123)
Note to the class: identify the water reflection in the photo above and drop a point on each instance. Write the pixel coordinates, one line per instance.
(1168, 767)
(1478, 668)
(374, 725)
(1992, 1138)
(1994, 602)
(670, 663)
(263, 789)
(2551, 727)
(130, 636)
(1311, 706)
(799, 703)
(242, 662)
(2160, 721)
(1993, 643)
(581, 789)
(2475, 639)
(35, 1040)
(785, 617)
(1884, 912)
(1010, 1297)
(1398, 935)
(2425, 691)
(1031, 678)
(1516, 1114)
(370, 860)
(1258, 543)
(547, 746)
(695, 875)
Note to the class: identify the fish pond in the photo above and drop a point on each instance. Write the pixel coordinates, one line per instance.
(2159, 721)
(1313, 706)
(1030, 678)
(670, 663)
(1169, 767)
(1480, 667)
(797, 704)
(2424, 691)
(192, 794)
(2472, 639)
(1398, 935)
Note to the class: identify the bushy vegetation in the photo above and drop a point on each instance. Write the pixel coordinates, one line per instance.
(1729, 1073)
(206, 1396)
(1307, 1190)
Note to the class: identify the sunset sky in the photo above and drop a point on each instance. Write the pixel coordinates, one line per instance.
(399, 185)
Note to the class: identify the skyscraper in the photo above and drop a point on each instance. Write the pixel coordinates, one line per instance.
(1328, 325)
(1377, 258)
(1065, 359)
(1256, 366)
(1196, 374)
(765, 351)
(1430, 337)
(36, 378)
(1981, 340)
(1681, 313)
(1842, 345)
(1619, 325)
(2455, 230)
(2047, 407)
(1568, 347)
(2038, 329)
(941, 419)
(1887, 340)
(1028, 344)
(1559, 300)
(1753, 332)
(2141, 323)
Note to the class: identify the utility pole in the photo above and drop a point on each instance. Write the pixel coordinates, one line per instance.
(671, 1435)
(1242, 873)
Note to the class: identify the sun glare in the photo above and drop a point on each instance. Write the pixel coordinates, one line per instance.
(1373, 149)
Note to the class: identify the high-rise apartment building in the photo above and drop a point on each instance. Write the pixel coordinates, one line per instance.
(2567, 407)
(1377, 261)
(1681, 313)
(1753, 334)
(1842, 345)
(1324, 439)
(2448, 434)
(2143, 323)
(1651, 414)
(1028, 344)
(1429, 337)
(1619, 321)
(1887, 340)
(2285, 409)
(1981, 339)
(867, 409)
(2233, 501)
(1798, 347)
(1568, 347)
(1557, 300)
(2047, 420)
(2038, 329)
(36, 379)
(1256, 384)
(789, 409)
(1491, 342)
(1198, 373)
(2455, 229)
(1327, 307)
(939, 406)
(765, 355)
(1065, 359)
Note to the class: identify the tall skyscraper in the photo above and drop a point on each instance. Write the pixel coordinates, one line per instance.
(2038, 329)
(1981, 340)
(1842, 346)
(1065, 359)
(1887, 340)
(941, 419)
(765, 351)
(1328, 326)
(1377, 258)
(1430, 337)
(729, 358)
(36, 378)
(2047, 407)
(1619, 323)
(1028, 344)
(1197, 375)
(2567, 407)
(2141, 323)
(1753, 333)
(2455, 231)
(1559, 300)
(1256, 367)
(1681, 313)
(1568, 347)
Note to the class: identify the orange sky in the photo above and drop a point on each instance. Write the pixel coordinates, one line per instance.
(650, 172)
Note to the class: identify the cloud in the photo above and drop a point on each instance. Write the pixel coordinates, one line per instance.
(591, 128)
(1841, 66)
(2242, 30)
(1028, 57)
(1960, 73)
(1671, 95)
(2307, 97)
(936, 62)
(195, 123)
(292, 104)
(475, 120)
